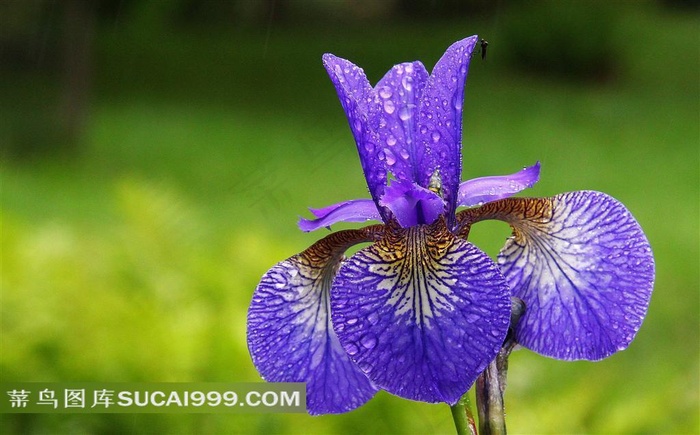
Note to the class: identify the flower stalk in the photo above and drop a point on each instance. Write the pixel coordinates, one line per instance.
(463, 416)
(491, 384)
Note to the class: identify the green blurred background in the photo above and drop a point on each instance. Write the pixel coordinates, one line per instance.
(156, 156)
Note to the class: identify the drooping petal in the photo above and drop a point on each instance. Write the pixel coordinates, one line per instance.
(440, 120)
(486, 189)
(356, 210)
(421, 312)
(361, 105)
(411, 204)
(399, 92)
(290, 336)
(584, 268)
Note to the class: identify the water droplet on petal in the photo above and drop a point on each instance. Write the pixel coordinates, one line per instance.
(351, 349)
(389, 156)
(357, 125)
(391, 140)
(404, 154)
(368, 341)
(405, 113)
(373, 318)
(389, 107)
(407, 82)
(457, 102)
(436, 136)
(385, 92)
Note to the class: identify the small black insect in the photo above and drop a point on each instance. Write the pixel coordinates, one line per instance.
(483, 45)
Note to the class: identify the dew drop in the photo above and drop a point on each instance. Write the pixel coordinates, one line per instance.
(473, 318)
(389, 156)
(357, 125)
(404, 154)
(407, 82)
(351, 349)
(457, 103)
(405, 113)
(368, 341)
(436, 136)
(373, 318)
(385, 92)
(391, 140)
(389, 107)
(351, 321)
(381, 155)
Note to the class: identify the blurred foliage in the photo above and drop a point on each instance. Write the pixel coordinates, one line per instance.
(135, 259)
(573, 40)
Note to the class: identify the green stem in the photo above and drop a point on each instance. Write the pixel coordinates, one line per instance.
(463, 416)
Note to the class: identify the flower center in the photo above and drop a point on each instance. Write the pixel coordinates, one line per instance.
(412, 204)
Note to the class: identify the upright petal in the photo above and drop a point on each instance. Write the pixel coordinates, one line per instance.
(361, 105)
(486, 189)
(584, 268)
(399, 92)
(421, 312)
(290, 336)
(440, 120)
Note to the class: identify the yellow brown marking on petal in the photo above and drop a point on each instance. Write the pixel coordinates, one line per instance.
(331, 248)
(515, 211)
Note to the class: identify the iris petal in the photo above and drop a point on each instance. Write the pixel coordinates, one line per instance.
(421, 312)
(361, 105)
(440, 120)
(356, 210)
(399, 92)
(290, 336)
(486, 189)
(584, 268)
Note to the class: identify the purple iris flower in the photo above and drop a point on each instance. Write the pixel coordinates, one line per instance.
(420, 312)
